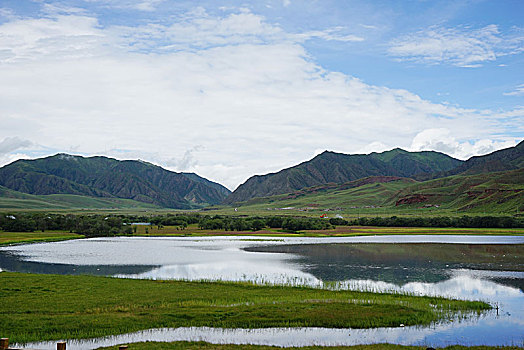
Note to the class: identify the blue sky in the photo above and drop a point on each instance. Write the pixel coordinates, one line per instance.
(229, 89)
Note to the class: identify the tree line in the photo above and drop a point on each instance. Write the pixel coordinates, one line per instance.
(442, 221)
(112, 225)
(89, 225)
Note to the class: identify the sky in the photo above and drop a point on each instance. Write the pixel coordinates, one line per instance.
(230, 89)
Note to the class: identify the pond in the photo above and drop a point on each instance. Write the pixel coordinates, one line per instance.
(489, 268)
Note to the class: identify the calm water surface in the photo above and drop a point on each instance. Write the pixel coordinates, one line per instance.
(489, 268)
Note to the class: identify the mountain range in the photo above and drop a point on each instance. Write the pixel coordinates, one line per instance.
(104, 177)
(98, 182)
(331, 167)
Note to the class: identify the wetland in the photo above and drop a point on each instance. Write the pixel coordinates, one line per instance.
(290, 280)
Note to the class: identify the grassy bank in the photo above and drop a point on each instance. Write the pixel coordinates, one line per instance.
(339, 231)
(207, 346)
(7, 238)
(47, 307)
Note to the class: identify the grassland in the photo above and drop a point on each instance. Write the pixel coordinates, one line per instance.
(339, 231)
(350, 213)
(14, 200)
(7, 238)
(68, 201)
(182, 345)
(50, 307)
(498, 193)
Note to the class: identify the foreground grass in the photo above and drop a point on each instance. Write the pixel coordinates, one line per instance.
(49, 307)
(207, 346)
(7, 238)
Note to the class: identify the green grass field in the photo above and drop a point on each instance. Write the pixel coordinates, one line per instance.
(499, 193)
(339, 231)
(69, 201)
(7, 238)
(352, 213)
(14, 200)
(50, 307)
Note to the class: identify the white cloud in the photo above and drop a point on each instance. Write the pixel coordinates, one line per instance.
(8, 148)
(375, 146)
(198, 30)
(68, 32)
(243, 89)
(10, 144)
(460, 46)
(54, 9)
(11, 157)
(7, 13)
(187, 161)
(519, 91)
(148, 5)
(141, 5)
(333, 34)
(63, 36)
(443, 141)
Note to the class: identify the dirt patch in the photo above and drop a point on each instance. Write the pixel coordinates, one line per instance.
(412, 199)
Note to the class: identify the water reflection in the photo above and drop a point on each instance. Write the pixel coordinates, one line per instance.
(473, 267)
(10, 261)
(478, 332)
(234, 270)
(401, 263)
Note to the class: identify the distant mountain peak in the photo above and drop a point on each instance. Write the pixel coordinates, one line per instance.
(397, 150)
(332, 167)
(100, 176)
(66, 156)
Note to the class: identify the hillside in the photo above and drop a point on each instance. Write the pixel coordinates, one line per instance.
(102, 177)
(370, 191)
(10, 199)
(505, 159)
(486, 192)
(331, 167)
(498, 192)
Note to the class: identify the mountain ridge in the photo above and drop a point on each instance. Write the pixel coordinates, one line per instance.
(105, 177)
(336, 167)
(494, 193)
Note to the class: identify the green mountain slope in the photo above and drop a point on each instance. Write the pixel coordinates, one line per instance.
(110, 178)
(498, 192)
(10, 199)
(339, 168)
(505, 159)
(370, 191)
(486, 192)
(220, 188)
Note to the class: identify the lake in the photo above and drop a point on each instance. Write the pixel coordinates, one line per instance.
(489, 268)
